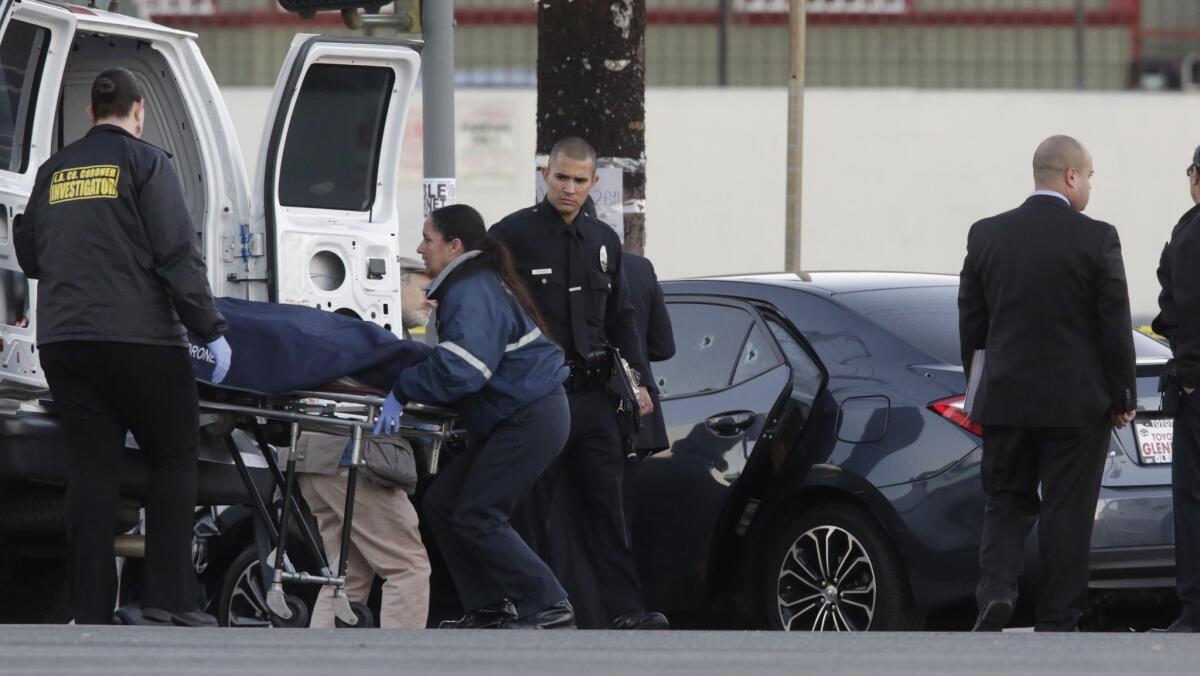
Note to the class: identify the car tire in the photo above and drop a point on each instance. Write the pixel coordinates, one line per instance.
(832, 568)
(243, 600)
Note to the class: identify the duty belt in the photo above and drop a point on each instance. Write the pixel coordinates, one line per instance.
(590, 372)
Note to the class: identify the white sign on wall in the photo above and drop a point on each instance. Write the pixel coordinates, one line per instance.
(151, 8)
(826, 6)
(485, 144)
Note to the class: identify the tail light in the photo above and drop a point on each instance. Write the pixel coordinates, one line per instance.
(951, 408)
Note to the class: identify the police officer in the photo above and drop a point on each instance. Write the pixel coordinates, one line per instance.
(1179, 321)
(106, 233)
(572, 264)
(495, 366)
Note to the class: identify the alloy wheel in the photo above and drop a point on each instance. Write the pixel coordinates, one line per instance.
(248, 601)
(826, 582)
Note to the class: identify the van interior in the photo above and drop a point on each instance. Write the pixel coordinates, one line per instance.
(168, 122)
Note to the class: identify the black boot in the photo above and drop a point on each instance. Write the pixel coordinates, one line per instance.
(1182, 625)
(558, 616)
(994, 615)
(640, 620)
(493, 616)
(179, 618)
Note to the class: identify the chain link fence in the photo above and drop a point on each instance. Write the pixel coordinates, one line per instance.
(1016, 44)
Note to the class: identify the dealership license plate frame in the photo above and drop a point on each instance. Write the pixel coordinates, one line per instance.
(1148, 435)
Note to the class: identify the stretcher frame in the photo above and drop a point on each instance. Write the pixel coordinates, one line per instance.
(337, 408)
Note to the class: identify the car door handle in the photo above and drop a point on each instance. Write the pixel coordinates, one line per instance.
(730, 424)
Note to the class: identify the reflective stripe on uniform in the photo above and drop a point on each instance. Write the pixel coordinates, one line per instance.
(468, 357)
(525, 340)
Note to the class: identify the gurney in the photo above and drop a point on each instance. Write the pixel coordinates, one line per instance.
(353, 358)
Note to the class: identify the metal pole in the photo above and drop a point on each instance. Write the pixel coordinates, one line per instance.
(437, 98)
(1080, 32)
(795, 138)
(723, 15)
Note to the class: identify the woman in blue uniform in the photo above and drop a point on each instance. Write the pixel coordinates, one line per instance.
(495, 367)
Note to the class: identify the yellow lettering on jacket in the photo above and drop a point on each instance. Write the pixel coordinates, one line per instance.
(82, 183)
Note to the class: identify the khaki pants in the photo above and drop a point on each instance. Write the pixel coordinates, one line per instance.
(384, 541)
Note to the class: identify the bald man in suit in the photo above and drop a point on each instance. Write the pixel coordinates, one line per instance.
(1043, 294)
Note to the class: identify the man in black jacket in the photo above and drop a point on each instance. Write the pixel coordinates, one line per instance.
(654, 325)
(1179, 321)
(1043, 293)
(658, 341)
(106, 233)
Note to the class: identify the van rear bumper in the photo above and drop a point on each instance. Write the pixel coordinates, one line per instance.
(33, 448)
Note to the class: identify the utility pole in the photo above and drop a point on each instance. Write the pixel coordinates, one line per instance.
(437, 102)
(1080, 35)
(592, 83)
(795, 136)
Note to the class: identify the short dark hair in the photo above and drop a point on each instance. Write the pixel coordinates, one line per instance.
(574, 148)
(114, 91)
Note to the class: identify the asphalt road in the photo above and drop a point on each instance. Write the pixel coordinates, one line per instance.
(143, 650)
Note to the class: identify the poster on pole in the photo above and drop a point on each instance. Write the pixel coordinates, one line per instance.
(439, 192)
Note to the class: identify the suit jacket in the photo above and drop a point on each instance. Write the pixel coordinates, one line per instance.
(654, 325)
(1043, 291)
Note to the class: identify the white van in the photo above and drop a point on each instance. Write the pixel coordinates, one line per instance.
(318, 226)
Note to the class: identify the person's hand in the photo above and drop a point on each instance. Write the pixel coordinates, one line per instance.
(388, 421)
(645, 403)
(1188, 390)
(223, 354)
(1120, 420)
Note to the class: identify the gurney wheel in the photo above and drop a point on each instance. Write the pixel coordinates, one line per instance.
(366, 619)
(299, 616)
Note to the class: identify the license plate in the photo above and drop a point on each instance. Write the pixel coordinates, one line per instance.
(1154, 438)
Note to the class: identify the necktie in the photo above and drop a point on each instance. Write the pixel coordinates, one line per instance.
(577, 294)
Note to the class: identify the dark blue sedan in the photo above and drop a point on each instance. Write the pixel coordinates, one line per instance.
(822, 474)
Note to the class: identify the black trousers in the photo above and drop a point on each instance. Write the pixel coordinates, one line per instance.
(102, 390)
(575, 515)
(1185, 489)
(1067, 463)
(469, 505)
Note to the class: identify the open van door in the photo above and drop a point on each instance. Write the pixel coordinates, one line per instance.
(325, 192)
(6, 7)
(33, 53)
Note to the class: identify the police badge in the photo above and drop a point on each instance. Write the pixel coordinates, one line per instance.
(603, 258)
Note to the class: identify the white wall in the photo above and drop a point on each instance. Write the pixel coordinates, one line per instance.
(892, 178)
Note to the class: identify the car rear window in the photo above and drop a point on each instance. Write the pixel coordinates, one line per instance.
(1147, 347)
(927, 319)
(924, 317)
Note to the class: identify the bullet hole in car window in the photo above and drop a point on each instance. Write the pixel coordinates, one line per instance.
(709, 338)
(756, 357)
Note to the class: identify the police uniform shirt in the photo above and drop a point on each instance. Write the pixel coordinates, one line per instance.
(107, 235)
(574, 272)
(1177, 319)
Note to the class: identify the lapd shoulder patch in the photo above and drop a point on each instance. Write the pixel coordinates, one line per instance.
(82, 183)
